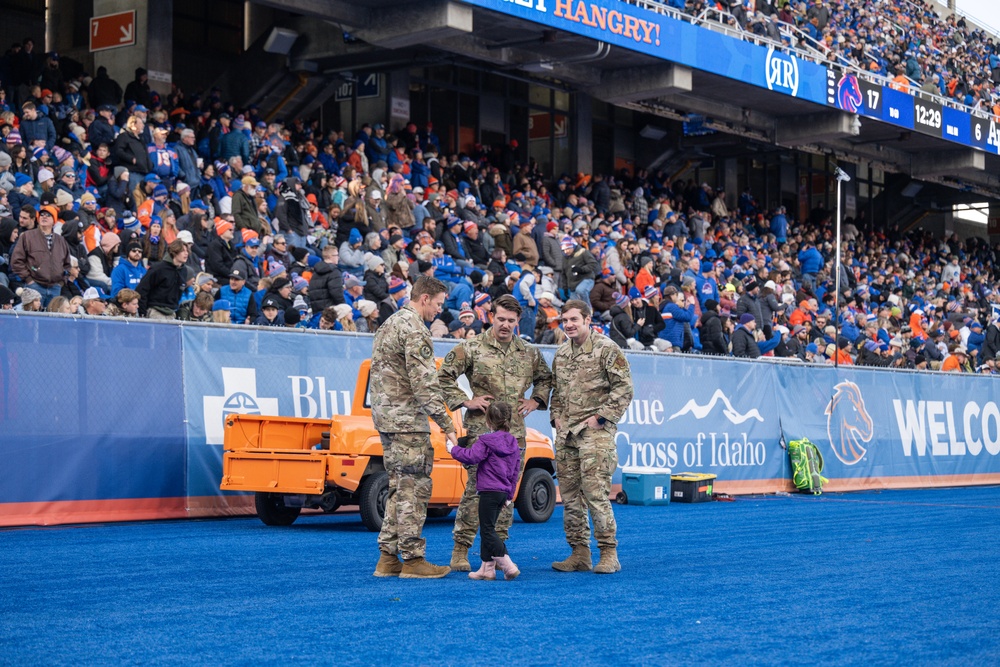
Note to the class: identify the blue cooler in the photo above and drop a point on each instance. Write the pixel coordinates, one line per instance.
(644, 485)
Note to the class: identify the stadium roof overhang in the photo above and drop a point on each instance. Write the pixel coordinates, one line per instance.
(459, 32)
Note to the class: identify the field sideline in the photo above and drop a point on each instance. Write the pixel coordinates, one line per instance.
(885, 578)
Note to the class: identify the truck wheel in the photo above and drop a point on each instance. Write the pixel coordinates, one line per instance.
(272, 511)
(438, 512)
(374, 491)
(537, 498)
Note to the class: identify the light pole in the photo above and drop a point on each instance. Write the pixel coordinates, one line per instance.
(841, 178)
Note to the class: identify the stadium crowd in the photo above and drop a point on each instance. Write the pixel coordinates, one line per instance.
(131, 204)
(904, 41)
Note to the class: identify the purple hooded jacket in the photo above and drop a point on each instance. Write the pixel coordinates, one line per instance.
(496, 454)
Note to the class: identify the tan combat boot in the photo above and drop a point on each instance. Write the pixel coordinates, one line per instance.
(460, 558)
(507, 566)
(578, 561)
(609, 562)
(486, 572)
(420, 568)
(388, 566)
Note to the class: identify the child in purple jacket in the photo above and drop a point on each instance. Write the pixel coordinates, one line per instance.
(497, 455)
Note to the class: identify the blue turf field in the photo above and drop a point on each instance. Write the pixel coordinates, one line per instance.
(898, 577)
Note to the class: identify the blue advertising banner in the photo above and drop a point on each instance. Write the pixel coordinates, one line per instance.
(108, 420)
(91, 414)
(878, 429)
(638, 29)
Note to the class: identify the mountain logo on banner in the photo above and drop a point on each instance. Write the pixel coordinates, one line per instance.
(239, 396)
(730, 413)
(848, 423)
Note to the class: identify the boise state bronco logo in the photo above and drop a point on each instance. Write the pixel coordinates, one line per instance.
(849, 97)
(848, 423)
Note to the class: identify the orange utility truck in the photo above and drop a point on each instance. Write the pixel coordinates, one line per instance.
(293, 464)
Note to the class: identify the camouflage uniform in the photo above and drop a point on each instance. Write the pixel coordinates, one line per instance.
(506, 375)
(592, 379)
(404, 392)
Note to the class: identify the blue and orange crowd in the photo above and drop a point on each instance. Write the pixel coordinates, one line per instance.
(126, 203)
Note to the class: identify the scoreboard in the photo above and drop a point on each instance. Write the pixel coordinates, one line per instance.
(896, 107)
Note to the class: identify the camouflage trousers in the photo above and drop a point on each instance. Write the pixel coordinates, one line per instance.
(409, 459)
(467, 515)
(585, 464)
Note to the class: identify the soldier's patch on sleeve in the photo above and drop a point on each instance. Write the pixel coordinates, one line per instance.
(620, 362)
(450, 357)
(426, 352)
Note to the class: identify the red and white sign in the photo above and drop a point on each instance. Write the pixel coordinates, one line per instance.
(112, 31)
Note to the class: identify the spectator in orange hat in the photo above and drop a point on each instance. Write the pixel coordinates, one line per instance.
(644, 276)
(41, 257)
(801, 315)
(248, 260)
(221, 251)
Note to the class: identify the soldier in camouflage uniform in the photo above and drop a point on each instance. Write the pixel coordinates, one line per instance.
(404, 392)
(499, 367)
(593, 389)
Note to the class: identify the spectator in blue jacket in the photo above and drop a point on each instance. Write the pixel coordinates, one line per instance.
(242, 306)
(779, 225)
(675, 316)
(236, 142)
(810, 263)
(36, 128)
(129, 270)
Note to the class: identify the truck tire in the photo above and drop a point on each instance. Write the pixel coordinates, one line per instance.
(438, 512)
(272, 511)
(374, 491)
(537, 498)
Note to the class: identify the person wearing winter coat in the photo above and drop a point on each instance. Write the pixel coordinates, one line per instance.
(101, 261)
(399, 208)
(713, 341)
(622, 329)
(675, 315)
(749, 303)
(160, 289)
(129, 151)
(376, 285)
(352, 254)
(744, 342)
(244, 207)
(646, 317)
(497, 457)
(602, 297)
(326, 287)
(129, 271)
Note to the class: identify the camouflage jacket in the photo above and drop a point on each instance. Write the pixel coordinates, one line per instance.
(504, 375)
(590, 379)
(403, 386)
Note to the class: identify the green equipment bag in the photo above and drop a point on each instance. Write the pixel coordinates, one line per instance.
(807, 464)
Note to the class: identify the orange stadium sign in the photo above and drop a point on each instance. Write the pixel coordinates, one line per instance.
(112, 31)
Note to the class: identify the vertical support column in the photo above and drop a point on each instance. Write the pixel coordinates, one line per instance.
(727, 179)
(256, 20)
(993, 224)
(59, 17)
(582, 129)
(397, 99)
(160, 44)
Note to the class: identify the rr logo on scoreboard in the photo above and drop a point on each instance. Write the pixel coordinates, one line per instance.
(782, 72)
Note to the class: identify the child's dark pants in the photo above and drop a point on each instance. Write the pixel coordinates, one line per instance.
(490, 544)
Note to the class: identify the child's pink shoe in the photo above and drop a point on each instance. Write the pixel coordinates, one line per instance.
(507, 566)
(488, 570)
